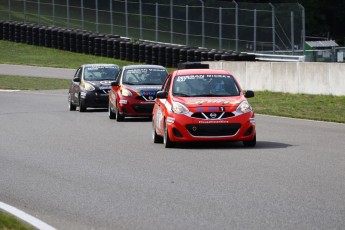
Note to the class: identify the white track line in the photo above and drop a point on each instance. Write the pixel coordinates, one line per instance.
(9, 90)
(25, 217)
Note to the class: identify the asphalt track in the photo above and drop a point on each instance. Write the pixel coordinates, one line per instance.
(83, 171)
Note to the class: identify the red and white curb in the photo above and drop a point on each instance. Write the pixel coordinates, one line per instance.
(25, 217)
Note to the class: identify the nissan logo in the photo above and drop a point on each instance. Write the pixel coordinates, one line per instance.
(213, 115)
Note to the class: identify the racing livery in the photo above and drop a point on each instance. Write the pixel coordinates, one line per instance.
(133, 93)
(90, 86)
(202, 105)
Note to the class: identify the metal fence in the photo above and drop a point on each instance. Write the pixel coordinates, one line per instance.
(278, 28)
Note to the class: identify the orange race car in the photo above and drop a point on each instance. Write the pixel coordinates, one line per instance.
(202, 105)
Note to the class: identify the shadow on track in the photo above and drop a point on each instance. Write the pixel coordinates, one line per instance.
(232, 145)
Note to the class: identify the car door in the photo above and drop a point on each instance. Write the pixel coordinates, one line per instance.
(161, 110)
(115, 88)
(76, 86)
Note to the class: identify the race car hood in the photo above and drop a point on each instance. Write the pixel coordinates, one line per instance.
(140, 89)
(197, 102)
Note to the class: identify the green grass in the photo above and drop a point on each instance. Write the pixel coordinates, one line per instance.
(8, 222)
(23, 54)
(314, 107)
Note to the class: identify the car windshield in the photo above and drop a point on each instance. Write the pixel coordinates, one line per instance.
(101, 73)
(205, 85)
(144, 76)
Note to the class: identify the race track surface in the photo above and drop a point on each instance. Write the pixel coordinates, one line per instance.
(84, 171)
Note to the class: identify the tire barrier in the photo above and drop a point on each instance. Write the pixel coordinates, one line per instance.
(148, 54)
(142, 48)
(1, 30)
(6, 30)
(135, 52)
(113, 46)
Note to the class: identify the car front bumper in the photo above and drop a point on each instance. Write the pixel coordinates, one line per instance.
(182, 128)
(134, 107)
(94, 99)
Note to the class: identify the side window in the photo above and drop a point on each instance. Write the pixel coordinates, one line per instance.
(77, 74)
(166, 84)
(118, 76)
(80, 73)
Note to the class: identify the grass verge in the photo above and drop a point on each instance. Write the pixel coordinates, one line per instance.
(304, 106)
(8, 222)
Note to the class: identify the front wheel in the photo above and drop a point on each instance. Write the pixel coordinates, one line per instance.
(166, 140)
(111, 114)
(156, 138)
(119, 117)
(71, 107)
(250, 143)
(82, 107)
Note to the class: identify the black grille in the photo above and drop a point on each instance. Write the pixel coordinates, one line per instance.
(213, 129)
(215, 115)
(143, 108)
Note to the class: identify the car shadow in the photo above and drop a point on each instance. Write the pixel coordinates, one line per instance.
(231, 145)
(95, 110)
(137, 119)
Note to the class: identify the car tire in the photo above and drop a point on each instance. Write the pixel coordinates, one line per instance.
(82, 107)
(156, 138)
(111, 114)
(119, 117)
(71, 107)
(250, 143)
(166, 140)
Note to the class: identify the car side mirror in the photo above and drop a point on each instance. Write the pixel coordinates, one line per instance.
(76, 79)
(114, 83)
(249, 93)
(162, 95)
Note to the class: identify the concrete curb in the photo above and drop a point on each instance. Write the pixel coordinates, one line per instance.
(25, 217)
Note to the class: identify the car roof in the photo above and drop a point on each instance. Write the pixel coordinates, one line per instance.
(99, 64)
(199, 71)
(143, 66)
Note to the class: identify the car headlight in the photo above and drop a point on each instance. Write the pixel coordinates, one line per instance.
(89, 87)
(179, 108)
(244, 107)
(126, 93)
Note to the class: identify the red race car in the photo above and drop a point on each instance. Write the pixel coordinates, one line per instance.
(133, 93)
(202, 105)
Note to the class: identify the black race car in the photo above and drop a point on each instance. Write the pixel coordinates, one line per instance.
(91, 85)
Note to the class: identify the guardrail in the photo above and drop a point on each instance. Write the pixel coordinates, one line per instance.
(278, 58)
